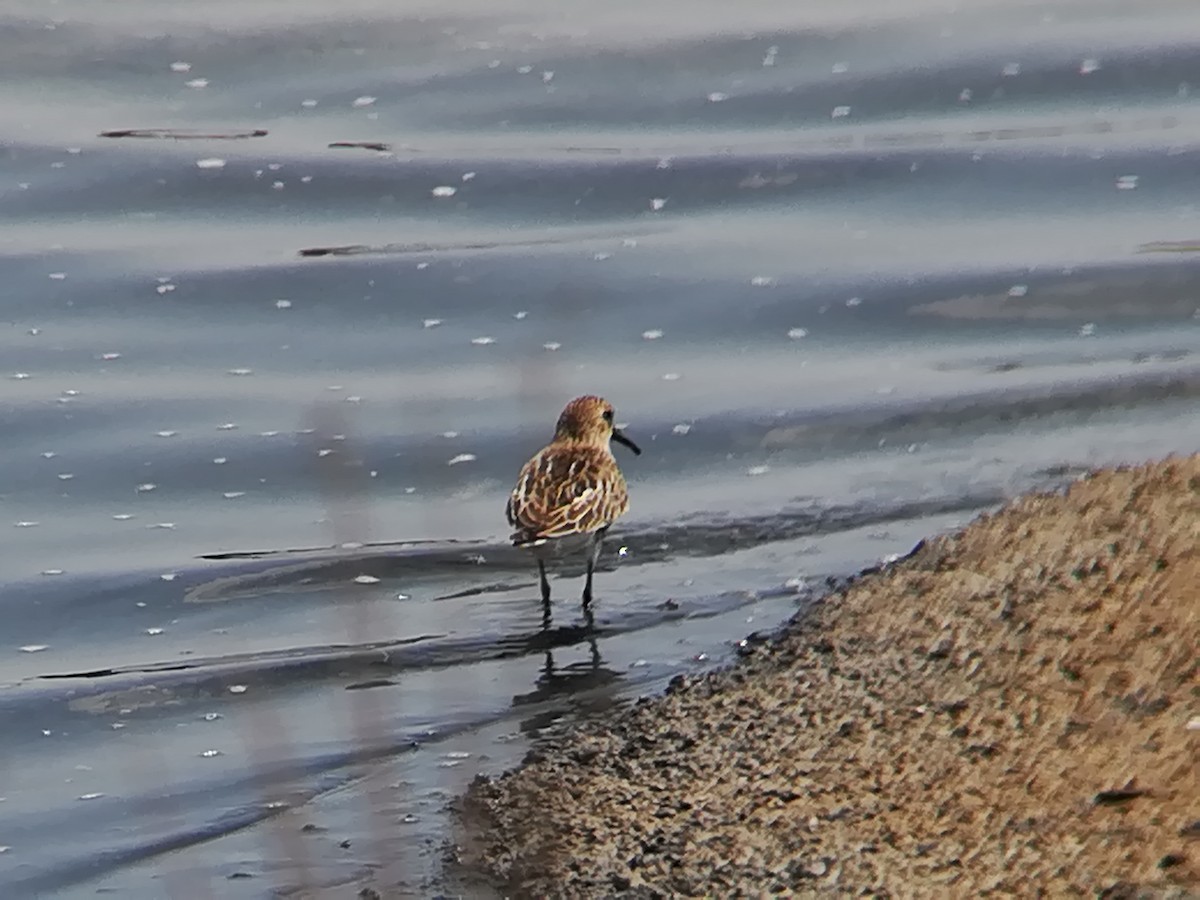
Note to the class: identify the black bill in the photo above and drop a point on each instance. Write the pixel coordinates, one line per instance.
(619, 437)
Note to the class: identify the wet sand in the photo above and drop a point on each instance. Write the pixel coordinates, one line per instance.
(1012, 709)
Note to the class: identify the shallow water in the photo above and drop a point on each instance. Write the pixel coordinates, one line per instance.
(850, 276)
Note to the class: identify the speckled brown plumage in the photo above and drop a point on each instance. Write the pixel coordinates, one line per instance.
(571, 491)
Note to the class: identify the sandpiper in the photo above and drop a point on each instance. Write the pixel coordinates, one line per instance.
(571, 491)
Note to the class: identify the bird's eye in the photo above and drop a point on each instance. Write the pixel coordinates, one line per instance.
(608, 415)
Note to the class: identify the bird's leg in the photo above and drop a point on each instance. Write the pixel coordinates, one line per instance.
(545, 593)
(594, 555)
(587, 585)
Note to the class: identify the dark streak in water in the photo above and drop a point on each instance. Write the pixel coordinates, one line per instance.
(205, 677)
(690, 538)
(363, 249)
(259, 554)
(183, 134)
(364, 145)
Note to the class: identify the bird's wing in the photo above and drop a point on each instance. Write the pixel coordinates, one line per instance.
(566, 490)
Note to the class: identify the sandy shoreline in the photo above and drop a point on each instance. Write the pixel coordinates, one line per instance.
(1014, 709)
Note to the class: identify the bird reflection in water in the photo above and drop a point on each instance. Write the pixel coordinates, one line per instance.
(578, 687)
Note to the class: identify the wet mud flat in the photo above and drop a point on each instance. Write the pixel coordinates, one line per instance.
(1012, 709)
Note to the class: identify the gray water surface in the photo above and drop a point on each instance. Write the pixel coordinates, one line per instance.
(851, 273)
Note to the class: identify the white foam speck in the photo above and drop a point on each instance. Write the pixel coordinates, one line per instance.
(1087, 330)
(241, 371)
(21, 376)
(93, 796)
(1011, 69)
(524, 70)
(762, 281)
(169, 576)
(840, 112)
(652, 334)
(672, 376)
(181, 67)
(164, 288)
(552, 345)
(758, 470)
(520, 314)
(233, 495)
(197, 83)
(283, 304)
(483, 341)
(308, 103)
(237, 689)
(26, 524)
(34, 648)
(681, 428)
(1127, 183)
(58, 276)
(209, 754)
(461, 458)
(154, 632)
(165, 526)
(166, 434)
(148, 486)
(122, 517)
(796, 333)
(365, 579)
(52, 571)
(431, 323)
(360, 102)
(210, 162)
(1018, 290)
(1088, 66)
(839, 68)
(964, 96)
(854, 301)
(717, 97)
(219, 460)
(65, 476)
(444, 190)
(658, 203)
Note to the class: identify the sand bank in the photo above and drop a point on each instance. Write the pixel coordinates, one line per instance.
(1014, 708)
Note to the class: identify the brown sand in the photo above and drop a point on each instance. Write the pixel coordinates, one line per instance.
(1006, 711)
